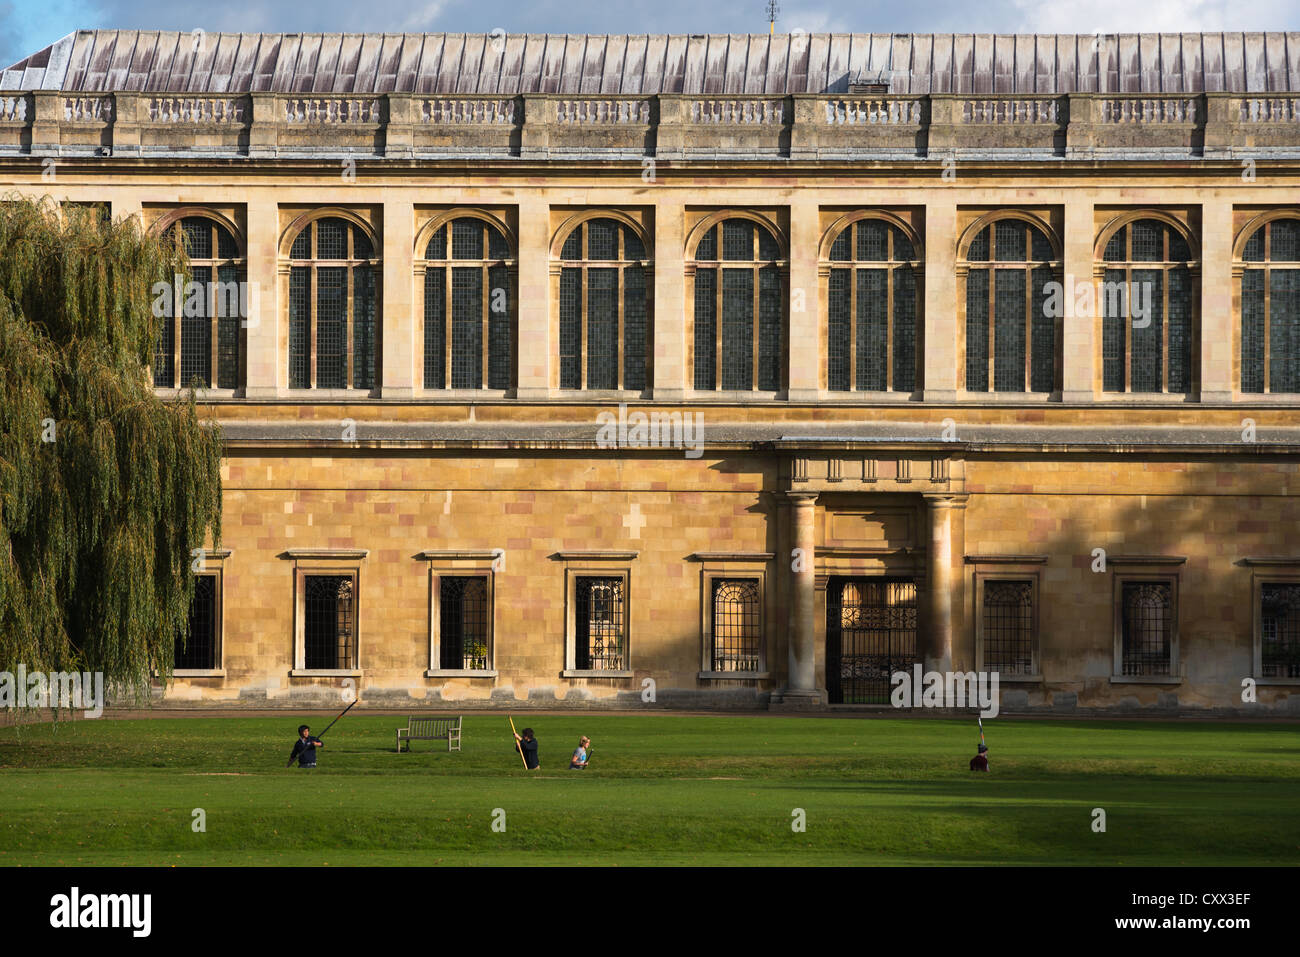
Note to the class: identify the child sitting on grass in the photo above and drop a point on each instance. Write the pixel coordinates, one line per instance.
(579, 760)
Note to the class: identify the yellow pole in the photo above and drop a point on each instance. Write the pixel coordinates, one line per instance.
(517, 747)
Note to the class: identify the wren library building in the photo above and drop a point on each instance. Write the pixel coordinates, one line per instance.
(718, 372)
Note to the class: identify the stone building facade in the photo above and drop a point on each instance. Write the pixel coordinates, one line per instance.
(719, 372)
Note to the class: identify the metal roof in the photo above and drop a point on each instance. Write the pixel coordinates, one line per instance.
(444, 63)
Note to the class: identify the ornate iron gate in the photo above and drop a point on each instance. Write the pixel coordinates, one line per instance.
(870, 634)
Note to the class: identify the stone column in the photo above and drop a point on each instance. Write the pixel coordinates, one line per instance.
(268, 337)
(801, 691)
(940, 301)
(534, 360)
(398, 339)
(1079, 332)
(937, 648)
(1216, 358)
(805, 300)
(671, 376)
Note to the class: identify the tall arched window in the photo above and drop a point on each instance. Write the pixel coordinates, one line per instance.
(1147, 302)
(201, 338)
(468, 307)
(1270, 308)
(739, 335)
(871, 309)
(604, 308)
(1010, 339)
(333, 307)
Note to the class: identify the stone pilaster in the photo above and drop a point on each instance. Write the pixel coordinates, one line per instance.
(801, 691)
(940, 301)
(942, 601)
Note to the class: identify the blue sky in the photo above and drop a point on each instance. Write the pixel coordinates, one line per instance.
(28, 25)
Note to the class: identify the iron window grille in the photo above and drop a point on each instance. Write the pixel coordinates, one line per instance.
(872, 310)
(1153, 353)
(1270, 309)
(1279, 618)
(333, 307)
(1147, 628)
(329, 622)
(463, 622)
(1010, 339)
(605, 330)
(1008, 632)
(196, 648)
(469, 307)
(737, 624)
(601, 624)
(206, 348)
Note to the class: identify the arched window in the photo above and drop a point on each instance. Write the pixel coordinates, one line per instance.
(1270, 308)
(739, 333)
(202, 331)
(1010, 339)
(333, 307)
(468, 307)
(604, 308)
(1147, 302)
(871, 310)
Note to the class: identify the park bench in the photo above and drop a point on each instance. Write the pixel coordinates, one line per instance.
(430, 729)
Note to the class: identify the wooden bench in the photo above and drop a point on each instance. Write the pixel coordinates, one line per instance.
(430, 729)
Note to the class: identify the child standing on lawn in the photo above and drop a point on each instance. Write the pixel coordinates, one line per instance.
(579, 760)
(527, 745)
(304, 749)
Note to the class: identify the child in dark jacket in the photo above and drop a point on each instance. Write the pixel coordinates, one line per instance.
(527, 745)
(304, 749)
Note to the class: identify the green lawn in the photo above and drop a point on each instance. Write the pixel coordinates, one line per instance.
(661, 790)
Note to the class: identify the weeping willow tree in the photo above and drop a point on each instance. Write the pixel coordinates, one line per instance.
(105, 489)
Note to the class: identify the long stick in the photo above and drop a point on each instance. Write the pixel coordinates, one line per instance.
(335, 721)
(518, 747)
(981, 721)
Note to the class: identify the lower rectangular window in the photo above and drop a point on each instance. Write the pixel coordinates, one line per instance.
(600, 620)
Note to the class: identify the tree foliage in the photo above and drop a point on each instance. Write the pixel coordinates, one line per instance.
(97, 526)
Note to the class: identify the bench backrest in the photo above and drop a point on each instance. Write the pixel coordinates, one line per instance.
(432, 726)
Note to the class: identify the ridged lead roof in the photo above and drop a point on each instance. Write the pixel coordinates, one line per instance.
(443, 63)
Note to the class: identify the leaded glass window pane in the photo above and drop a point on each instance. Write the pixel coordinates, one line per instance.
(979, 247)
(1147, 333)
(873, 329)
(299, 324)
(873, 241)
(570, 328)
(905, 328)
(332, 239)
(1009, 241)
(705, 327)
(363, 328)
(466, 239)
(769, 328)
(331, 328)
(1042, 336)
(499, 330)
(1180, 330)
(602, 240)
(635, 328)
(466, 328)
(435, 328)
(1284, 330)
(707, 251)
(977, 330)
(1113, 344)
(1009, 330)
(602, 328)
(840, 327)
(737, 329)
(437, 248)
(1279, 623)
(738, 240)
(196, 332)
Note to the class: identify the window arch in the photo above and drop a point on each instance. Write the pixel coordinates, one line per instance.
(1148, 308)
(1270, 307)
(739, 299)
(871, 312)
(201, 341)
(605, 329)
(333, 306)
(1011, 342)
(469, 306)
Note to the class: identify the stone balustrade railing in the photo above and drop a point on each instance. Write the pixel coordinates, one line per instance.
(591, 111)
(196, 109)
(539, 126)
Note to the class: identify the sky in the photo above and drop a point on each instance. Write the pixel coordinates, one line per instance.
(30, 25)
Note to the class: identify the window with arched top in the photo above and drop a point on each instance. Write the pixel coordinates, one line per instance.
(201, 339)
(1010, 338)
(1148, 306)
(739, 308)
(469, 307)
(1270, 308)
(871, 309)
(333, 307)
(605, 330)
